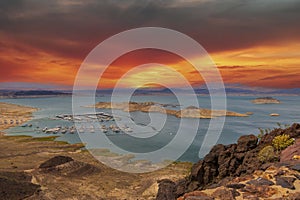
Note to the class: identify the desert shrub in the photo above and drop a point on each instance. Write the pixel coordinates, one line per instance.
(266, 154)
(281, 142)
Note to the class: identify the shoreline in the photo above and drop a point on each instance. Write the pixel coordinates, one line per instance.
(14, 115)
(82, 176)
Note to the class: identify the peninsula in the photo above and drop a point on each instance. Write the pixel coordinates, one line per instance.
(14, 115)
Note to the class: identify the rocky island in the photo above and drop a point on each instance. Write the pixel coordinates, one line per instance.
(265, 100)
(189, 112)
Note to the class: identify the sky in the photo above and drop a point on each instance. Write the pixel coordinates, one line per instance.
(254, 43)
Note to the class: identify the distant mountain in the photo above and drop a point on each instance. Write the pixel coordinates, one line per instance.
(205, 91)
(151, 91)
(31, 93)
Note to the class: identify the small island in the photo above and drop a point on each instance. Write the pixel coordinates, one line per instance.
(189, 112)
(265, 100)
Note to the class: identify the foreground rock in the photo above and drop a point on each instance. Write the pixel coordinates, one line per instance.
(189, 112)
(16, 185)
(265, 100)
(237, 167)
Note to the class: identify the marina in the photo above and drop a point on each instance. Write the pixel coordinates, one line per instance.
(86, 125)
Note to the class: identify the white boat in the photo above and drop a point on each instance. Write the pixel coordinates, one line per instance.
(53, 130)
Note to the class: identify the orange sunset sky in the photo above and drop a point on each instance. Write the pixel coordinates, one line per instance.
(253, 43)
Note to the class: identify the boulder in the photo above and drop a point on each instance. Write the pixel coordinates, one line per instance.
(16, 185)
(246, 143)
(195, 195)
(166, 190)
(260, 181)
(224, 194)
(236, 185)
(296, 167)
(286, 182)
(258, 192)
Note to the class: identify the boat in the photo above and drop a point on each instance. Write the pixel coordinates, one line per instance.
(63, 131)
(53, 130)
(128, 129)
(274, 114)
(72, 131)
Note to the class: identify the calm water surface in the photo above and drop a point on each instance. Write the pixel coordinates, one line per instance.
(234, 126)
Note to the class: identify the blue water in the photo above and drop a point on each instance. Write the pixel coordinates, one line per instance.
(234, 126)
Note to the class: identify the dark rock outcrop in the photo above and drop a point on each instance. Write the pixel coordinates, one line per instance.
(166, 190)
(66, 166)
(16, 185)
(286, 182)
(225, 161)
(296, 167)
(55, 161)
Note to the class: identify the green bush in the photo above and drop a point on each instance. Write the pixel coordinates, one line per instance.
(281, 142)
(266, 154)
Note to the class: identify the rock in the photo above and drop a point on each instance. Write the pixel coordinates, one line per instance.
(265, 166)
(195, 195)
(250, 163)
(246, 143)
(236, 185)
(297, 176)
(229, 165)
(293, 196)
(260, 181)
(212, 156)
(286, 182)
(183, 186)
(224, 194)
(257, 191)
(166, 190)
(281, 172)
(55, 161)
(289, 154)
(16, 185)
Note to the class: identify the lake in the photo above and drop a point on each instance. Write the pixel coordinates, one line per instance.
(233, 128)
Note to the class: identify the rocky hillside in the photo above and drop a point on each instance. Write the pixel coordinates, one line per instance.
(242, 171)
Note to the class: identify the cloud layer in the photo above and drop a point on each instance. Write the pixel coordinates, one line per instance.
(58, 34)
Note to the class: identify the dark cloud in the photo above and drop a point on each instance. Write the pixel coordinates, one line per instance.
(73, 28)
